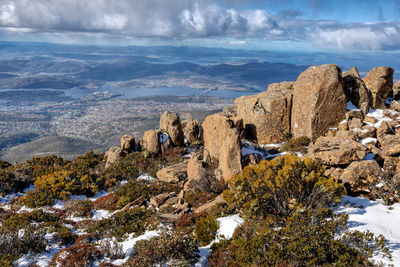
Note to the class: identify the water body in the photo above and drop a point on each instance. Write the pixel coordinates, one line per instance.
(129, 93)
(167, 90)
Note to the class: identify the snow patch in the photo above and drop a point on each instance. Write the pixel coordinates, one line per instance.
(101, 214)
(370, 215)
(127, 245)
(350, 106)
(369, 157)
(379, 115)
(227, 225)
(145, 177)
(163, 138)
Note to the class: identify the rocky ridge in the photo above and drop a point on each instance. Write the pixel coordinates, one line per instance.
(353, 124)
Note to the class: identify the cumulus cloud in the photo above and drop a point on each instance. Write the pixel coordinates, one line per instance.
(377, 36)
(180, 19)
(144, 18)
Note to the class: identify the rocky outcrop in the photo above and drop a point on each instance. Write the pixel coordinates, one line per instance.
(396, 90)
(160, 199)
(359, 175)
(151, 141)
(319, 101)
(193, 131)
(356, 90)
(266, 116)
(206, 208)
(113, 154)
(215, 129)
(173, 174)
(195, 168)
(336, 150)
(127, 143)
(170, 123)
(230, 159)
(222, 143)
(380, 83)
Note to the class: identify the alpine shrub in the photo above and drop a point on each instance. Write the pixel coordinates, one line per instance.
(281, 187)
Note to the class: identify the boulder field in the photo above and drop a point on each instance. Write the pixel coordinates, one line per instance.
(353, 124)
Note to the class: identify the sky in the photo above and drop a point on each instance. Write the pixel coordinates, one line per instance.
(295, 25)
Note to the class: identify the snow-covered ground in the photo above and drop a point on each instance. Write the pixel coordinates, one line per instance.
(227, 226)
(370, 215)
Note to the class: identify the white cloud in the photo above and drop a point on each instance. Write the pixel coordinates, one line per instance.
(381, 36)
(183, 19)
(140, 18)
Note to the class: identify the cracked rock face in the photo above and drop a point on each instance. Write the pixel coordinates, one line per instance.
(360, 175)
(380, 82)
(333, 151)
(319, 101)
(222, 143)
(151, 141)
(356, 90)
(170, 123)
(266, 116)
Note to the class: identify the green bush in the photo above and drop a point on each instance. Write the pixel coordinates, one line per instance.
(281, 187)
(64, 183)
(172, 248)
(135, 220)
(131, 191)
(205, 229)
(13, 243)
(312, 238)
(17, 221)
(9, 183)
(65, 235)
(20, 176)
(296, 144)
(79, 208)
(38, 198)
(85, 164)
(4, 164)
(126, 168)
(45, 165)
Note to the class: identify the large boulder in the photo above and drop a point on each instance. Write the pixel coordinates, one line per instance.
(173, 174)
(380, 82)
(160, 199)
(170, 123)
(193, 131)
(359, 175)
(266, 116)
(127, 143)
(195, 168)
(319, 101)
(113, 154)
(206, 208)
(222, 144)
(215, 128)
(151, 141)
(280, 87)
(396, 90)
(337, 150)
(355, 88)
(390, 145)
(230, 159)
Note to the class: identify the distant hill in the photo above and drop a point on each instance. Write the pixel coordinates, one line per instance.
(66, 147)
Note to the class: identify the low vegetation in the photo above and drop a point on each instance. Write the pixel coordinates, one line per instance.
(314, 237)
(206, 229)
(296, 144)
(281, 187)
(285, 203)
(173, 248)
